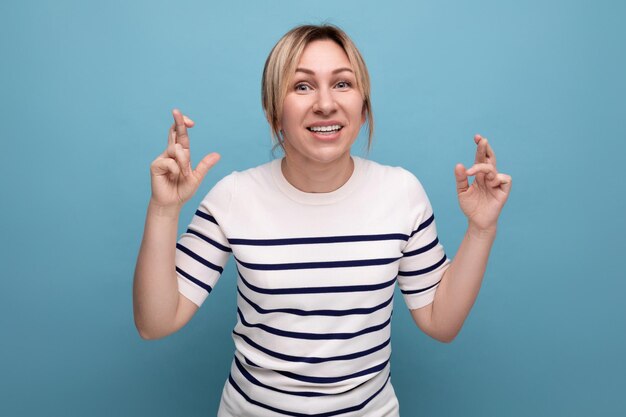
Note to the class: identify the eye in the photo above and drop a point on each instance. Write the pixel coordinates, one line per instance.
(302, 87)
(343, 85)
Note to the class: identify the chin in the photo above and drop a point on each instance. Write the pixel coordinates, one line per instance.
(327, 156)
(314, 151)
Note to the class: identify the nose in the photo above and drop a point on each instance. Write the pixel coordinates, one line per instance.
(325, 103)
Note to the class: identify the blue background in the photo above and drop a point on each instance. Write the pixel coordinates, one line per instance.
(86, 92)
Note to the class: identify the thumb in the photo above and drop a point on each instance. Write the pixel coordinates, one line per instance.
(460, 174)
(206, 164)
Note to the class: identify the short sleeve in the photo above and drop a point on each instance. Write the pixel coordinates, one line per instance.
(203, 250)
(423, 258)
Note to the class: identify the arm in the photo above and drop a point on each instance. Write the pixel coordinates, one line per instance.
(159, 309)
(455, 296)
(482, 203)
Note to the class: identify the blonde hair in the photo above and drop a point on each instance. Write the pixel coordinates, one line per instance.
(280, 67)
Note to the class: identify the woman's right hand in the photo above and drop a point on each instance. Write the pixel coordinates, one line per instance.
(173, 180)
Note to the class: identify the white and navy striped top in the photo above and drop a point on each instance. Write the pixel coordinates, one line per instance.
(315, 281)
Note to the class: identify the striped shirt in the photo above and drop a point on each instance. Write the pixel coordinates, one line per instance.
(315, 280)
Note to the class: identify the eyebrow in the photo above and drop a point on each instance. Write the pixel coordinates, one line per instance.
(338, 70)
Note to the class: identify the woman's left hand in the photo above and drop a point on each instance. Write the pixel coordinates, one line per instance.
(482, 201)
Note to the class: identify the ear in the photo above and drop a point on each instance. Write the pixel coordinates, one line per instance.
(363, 114)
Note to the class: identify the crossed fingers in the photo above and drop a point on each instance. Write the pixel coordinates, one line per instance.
(490, 175)
(178, 142)
(484, 169)
(484, 152)
(485, 164)
(178, 130)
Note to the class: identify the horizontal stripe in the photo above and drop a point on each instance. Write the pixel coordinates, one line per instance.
(313, 336)
(317, 265)
(209, 240)
(423, 271)
(199, 258)
(311, 359)
(335, 313)
(258, 383)
(206, 216)
(328, 379)
(317, 290)
(295, 414)
(424, 224)
(317, 240)
(421, 289)
(199, 283)
(422, 249)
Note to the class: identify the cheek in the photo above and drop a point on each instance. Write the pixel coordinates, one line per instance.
(290, 114)
(357, 110)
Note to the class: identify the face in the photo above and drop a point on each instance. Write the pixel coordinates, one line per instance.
(323, 109)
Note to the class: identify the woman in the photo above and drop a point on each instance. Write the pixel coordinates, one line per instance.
(319, 238)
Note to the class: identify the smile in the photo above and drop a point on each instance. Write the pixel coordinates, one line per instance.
(325, 129)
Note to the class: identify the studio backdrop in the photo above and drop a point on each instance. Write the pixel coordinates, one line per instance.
(86, 94)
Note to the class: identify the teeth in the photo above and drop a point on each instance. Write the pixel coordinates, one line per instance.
(324, 128)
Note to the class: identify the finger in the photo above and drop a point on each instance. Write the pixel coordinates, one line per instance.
(490, 155)
(481, 149)
(484, 151)
(176, 152)
(496, 180)
(181, 129)
(501, 187)
(163, 166)
(460, 173)
(170, 152)
(506, 184)
(182, 159)
(171, 135)
(206, 164)
(188, 121)
(504, 178)
(487, 169)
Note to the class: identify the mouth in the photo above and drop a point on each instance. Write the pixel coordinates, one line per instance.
(325, 130)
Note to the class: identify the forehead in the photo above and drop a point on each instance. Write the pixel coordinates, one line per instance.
(323, 55)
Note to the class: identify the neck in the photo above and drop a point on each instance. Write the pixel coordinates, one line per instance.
(317, 177)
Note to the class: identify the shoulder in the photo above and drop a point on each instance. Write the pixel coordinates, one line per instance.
(237, 182)
(253, 176)
(395, 177)
(226, 194)
(397, 184)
